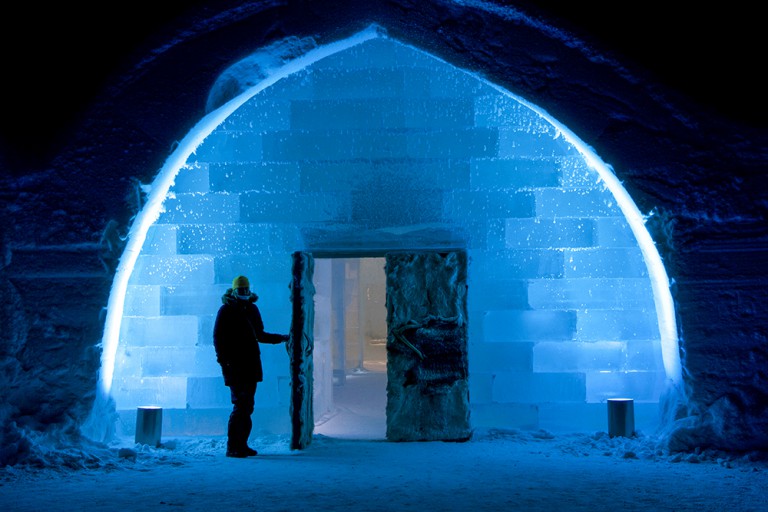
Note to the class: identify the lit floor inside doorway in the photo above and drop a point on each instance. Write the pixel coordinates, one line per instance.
(359, 405)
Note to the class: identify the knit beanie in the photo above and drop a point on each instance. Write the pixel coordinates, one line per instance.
(240, 282)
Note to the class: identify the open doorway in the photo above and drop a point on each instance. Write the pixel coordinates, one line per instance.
(350, 354)
(385, 343)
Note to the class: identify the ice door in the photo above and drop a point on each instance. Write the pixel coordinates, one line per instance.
(300, 348)
(427, 365)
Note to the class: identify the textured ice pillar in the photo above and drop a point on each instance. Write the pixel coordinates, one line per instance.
(322, 354)
(300, 348)
(427, 376)
(338, 342)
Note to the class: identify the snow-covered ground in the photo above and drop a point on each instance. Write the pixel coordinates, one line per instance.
(350, 466)
(496, 470)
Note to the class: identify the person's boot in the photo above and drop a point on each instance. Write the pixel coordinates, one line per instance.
(234, 450)
(237, 436)
(250, 452)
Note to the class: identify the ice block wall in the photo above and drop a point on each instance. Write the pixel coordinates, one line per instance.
(376, 147)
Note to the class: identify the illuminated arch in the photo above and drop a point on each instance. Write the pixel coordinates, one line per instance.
(195, 139)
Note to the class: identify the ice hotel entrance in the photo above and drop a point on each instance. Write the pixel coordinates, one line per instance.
(369, 146)
(390, 360)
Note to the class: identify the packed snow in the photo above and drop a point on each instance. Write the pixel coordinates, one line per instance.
(350, 465)
(495, 470)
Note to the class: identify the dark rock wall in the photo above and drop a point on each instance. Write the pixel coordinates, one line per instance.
(702, 177)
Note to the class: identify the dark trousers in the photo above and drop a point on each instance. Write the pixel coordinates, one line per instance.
(239, 427)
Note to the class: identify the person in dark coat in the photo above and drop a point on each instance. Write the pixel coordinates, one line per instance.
(236, 336)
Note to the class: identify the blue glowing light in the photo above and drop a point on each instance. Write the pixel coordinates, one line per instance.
(191, 143)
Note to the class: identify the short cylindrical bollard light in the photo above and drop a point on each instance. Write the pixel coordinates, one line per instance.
(149, 424)
(621, 417)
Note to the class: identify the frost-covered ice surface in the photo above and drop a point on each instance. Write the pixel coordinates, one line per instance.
(496, 470)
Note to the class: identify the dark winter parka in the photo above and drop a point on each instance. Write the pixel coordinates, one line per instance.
(236, 336)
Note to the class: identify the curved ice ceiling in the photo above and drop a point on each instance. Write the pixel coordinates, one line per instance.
(368, 145)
